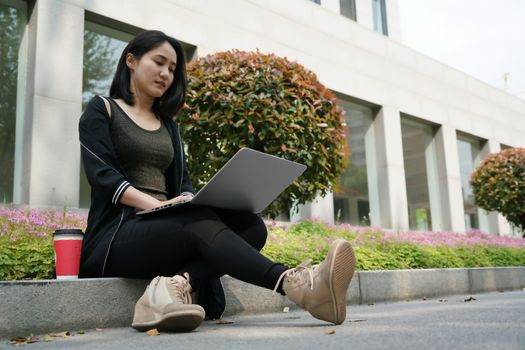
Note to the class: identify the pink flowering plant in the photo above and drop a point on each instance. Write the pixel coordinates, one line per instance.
(378, 249)
(26, 241)
(26, 245)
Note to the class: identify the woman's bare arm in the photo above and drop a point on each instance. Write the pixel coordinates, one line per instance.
(140, 200)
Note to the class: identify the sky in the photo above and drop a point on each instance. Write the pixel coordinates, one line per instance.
(483, 38)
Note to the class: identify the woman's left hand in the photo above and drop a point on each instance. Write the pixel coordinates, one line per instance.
(178, 199)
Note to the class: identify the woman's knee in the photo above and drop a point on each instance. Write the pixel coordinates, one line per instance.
(257, 233)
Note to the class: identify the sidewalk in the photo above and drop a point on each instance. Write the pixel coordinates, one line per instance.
(492, 321)
(51, 306)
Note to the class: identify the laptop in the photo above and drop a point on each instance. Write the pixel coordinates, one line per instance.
(249, 181)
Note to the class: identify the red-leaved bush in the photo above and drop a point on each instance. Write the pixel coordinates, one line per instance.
(248, 99)
(498, 184)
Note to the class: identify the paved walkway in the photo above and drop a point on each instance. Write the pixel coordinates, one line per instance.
(492, 321)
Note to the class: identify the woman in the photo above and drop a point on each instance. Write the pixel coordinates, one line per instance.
(134, 160)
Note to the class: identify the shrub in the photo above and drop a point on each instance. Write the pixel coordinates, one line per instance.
(441, 256)
(247, 99)
(26, 245)
(27, 259)
(498, 184)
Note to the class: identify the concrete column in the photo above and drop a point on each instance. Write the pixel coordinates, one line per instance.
(322, 208)
(504, 226)
(22, 153)
(363, 9)
(390, 169)
(496, 223)
(449, 179)
(332, 5)
(53, 173)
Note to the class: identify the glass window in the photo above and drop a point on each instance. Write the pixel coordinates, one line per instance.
(102, 49)
(420, 163)
(352, 195)
(379, 14)
(348, 9)
(12, 27)
(469, 157)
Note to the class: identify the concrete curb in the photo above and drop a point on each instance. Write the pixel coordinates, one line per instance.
(51, 306)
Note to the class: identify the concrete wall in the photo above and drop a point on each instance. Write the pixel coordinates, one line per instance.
(348, 57)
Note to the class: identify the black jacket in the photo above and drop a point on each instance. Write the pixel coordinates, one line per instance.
(108, 182)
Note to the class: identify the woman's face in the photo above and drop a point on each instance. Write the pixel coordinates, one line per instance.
(152, 74)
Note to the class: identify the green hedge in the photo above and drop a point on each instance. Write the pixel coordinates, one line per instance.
(31, 257)
(291, 250)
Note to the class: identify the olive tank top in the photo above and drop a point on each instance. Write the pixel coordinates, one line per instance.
(145, 155)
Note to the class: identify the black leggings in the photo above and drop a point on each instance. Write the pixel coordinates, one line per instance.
(207, 243)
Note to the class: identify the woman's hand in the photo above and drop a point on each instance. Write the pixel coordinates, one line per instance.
(140, 200)
(177, 199)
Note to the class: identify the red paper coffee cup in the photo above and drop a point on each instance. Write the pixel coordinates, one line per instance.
(68, 245)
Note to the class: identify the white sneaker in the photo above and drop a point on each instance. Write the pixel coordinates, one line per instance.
(321, 289)
(166, 305)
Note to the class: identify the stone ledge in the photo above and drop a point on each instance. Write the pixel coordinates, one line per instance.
(50, 306)
(399, 285)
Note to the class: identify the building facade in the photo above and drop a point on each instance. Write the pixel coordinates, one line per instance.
(417, 127)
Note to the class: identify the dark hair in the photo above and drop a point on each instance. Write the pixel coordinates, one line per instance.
(173, 99)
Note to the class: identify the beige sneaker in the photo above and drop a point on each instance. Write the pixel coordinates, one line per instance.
(321, 289)
(166, 305)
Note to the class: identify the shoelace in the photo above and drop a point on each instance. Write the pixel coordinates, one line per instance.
(305, 265)
(182, 288)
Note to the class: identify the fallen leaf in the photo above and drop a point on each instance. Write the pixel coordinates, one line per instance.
(21, 341)
(47, 337)
(223, 322)
(32, 339)
(286, 309)
(18, 343)
(469, 299)
(64, 334)
(153, 332)
(80, 332)
(443, 300)
(370, 304)
(357, 320)
(329, 332)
